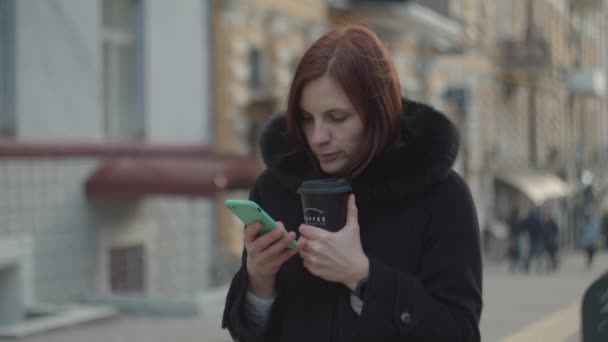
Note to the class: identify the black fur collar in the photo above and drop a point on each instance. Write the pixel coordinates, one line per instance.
(423, 156)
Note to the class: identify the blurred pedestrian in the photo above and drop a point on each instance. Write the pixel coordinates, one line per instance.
(407, 264)
(514, 249)
(534, 228)
(593, 226)
(590, 235)
(550, 238)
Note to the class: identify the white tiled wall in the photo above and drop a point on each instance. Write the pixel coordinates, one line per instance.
(58, 70)
(64, 238)
(16, 251)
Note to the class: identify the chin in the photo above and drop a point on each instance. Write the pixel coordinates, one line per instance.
(332, 169)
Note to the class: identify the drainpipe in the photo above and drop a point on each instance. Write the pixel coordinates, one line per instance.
(532, 129)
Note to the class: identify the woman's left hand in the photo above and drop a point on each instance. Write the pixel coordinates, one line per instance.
(336, 257)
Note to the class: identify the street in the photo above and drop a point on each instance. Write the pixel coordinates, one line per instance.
(517, 308)
(125, 125)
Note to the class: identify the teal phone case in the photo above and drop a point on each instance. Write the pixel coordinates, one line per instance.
(250, 212)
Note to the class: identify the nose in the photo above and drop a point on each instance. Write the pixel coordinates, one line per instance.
(320, 135)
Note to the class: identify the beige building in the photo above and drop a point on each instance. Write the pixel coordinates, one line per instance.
(541, 96)
(538, 107)
(515, 77)
(257, 45)
(521, 79)
(439, 62)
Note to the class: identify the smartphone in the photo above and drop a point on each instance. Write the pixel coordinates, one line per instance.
(250, 212)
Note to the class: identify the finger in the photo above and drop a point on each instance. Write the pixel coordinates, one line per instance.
(352, 212)
(302, 242)
(268, 239)
(305, 255)
(312, 233)
(309, 257)
(252, 231)
(284, 256)
(312, 247)
(276, 248)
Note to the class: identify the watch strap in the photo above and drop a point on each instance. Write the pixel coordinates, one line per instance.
(360, 288)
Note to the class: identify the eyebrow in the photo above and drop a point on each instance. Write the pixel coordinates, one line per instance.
(329, 111)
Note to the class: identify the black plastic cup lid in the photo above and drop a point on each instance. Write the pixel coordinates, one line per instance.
(325, 186)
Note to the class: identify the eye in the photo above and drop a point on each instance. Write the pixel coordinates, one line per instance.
(338, 117)
(307, 118)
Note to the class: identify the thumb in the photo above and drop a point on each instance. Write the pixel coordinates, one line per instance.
(301, 243)
(352, 212)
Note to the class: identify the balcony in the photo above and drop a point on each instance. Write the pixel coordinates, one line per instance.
(587, 4)
(423, 18)
(531, 56)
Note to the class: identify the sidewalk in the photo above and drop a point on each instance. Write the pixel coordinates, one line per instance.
(130, 328)
(517, 306)
(537, 307)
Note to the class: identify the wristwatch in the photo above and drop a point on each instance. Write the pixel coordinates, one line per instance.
(360, 288)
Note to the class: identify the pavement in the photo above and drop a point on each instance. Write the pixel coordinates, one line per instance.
(518, 307)
(522, 307)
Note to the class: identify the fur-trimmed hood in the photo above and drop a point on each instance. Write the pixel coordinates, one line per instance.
(423, 156)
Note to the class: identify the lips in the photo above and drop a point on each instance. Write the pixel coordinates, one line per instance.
(328, 157)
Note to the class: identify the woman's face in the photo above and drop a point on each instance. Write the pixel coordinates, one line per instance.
(331, 125)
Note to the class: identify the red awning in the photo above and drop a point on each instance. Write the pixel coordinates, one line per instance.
(203, 177)
(50, 149)
(136, 169)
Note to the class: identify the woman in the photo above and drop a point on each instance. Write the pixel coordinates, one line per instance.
(407, 265)
(590, 235)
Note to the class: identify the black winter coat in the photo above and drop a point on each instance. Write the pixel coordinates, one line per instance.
(418, 228)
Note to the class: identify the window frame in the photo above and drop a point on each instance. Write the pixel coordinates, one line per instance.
(8, 121)
(127, 269)
(114, 41)
(258, 62)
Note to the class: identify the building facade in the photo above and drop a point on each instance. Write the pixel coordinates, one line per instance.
(101, 72)
(521, 79)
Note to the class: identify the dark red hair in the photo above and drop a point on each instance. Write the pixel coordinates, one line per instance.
(354, 57)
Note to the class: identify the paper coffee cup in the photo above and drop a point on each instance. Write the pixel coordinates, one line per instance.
(325, 203)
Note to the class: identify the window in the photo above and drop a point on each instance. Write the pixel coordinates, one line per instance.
(504, 22)
(7, 98)
(122, 69)
(258, 67)
(127, 269)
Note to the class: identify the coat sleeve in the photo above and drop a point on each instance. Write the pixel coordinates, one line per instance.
(233, 318)
(443, 301)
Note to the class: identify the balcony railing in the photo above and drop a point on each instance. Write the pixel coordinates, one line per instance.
(426, 18)
(587, 4)
(529, 56)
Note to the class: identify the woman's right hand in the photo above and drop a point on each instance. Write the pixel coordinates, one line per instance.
(265, 255)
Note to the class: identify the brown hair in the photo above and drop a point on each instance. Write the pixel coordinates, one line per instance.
(355, 58)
